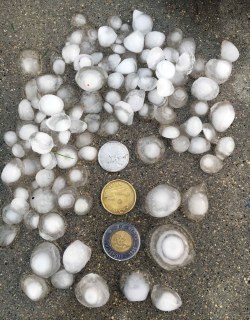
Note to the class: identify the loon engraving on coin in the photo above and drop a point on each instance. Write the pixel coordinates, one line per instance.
(121, 241)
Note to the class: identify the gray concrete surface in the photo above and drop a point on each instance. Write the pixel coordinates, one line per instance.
(215, 286)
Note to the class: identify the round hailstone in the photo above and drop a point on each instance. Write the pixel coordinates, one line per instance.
(112, 97)
(124, 112)
(118, 48)
(66, 198)
(31, 220)
(58, 66)
(218, 70)
(165, 299)
(115, 22)
(131, 81)
(21, 192)
(155, 99)
(88, 153)
(8, 234)
(30, 62)
(43, 200)
(199, 108)
(58, 122)
(78, 176)
(62, 279)
(164, 114)
(12, 171)
(171, 54)
(127, 66)
(185, 63)
(84, 139)
(20, 205)
(31, 166)
(224, 147)
(91, 78)
(34, 287)
(83, 60)
(209, 133)
(50, 104)
(18, 151)
(165, 87)
(76, 256)
(162, 200)
(169, 132)
(70, 52)
(165, 69)
(174, 37)
(193, 126)
(25, 110)
(106, 36)
(187, 45)
(66, 157)
(48, 83)
(11, 216)
(83, 205)
(134, 42)
(229, 51)
(45, 260)
(154, 56)
(10, 138)
(48, 161)
(198, 68)
(150, 149)
(147, 83)
(179, 98)
(92, 102)
(199, 145)
(205, 89)
(222, 115)
(115, 80)
(78, 20)
(113, 156)
(154, 39)
(26, 130)
(45, 178)
(179, 79)
(77, 126)
(93, 122)
(135, 98)
(92, 291)
(135, 286)
(210, 164)
(51, 226)
(59, 184)
(142, 22)
(109, 127)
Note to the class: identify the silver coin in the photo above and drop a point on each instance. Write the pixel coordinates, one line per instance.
(113, 156)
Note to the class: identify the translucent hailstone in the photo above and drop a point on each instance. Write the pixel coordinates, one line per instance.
(185, 63)
(210, 164)
(59, 122)
(62, 279)
(218, 70)
(43, 200)
(199, 145)
(147, 83)
(115, 80)
(83, 60)
(59, 184)
(64, 136)
(164, 114)
(51, 104)
(127, 66)
(150, 149)
(92, 102)
(198, 68)
(78, 20)
(205, 89)
(229, 51)
(10, 138)
(124, 112)
(165, 69)
(76, 256)
(66, 157)
(39, 117)
(171, 247)
(109, 63)
(77, 126)
(31, 219)
(144, 72)
(88, 153)
(115, 22)
(70, 52)
(169, 132)
(51, 226)
(112, 97)
(25, 130)
(31, 89)
(25, 110)
(144, 55)
(21, 192)
(131, 81)
(8, 234)
(92, 291)
(165, 299)
(193, 126)
(187, 45)
(45, 260)
(106, 36)
(84, 139)
(154, 39)
(31, 166)
(83, 204)
(48, 161)
(109, 127)
(224, 147)
(30, 62)
(93, 122)
(76, 37)
(58, 66)
(91, 78)
(69, 95)
(171, 54)
(45, 178)
(66, 198)
(78, 176)
(162, 200)
(34, 287)
(199, 108)
(154, 56)
(142, 22)
(179, 98)
(134, 42)
(48, 83)
(12, 171)
(174, 37)
(118, 48)
(11, 215)
(165, 87)
(18, 150)
(147, 111)
(107, 107)
(195, 202)
(135, 98)
(76, 112)
(222, 115)
(209, 133)
(179, 79)
(135, 286)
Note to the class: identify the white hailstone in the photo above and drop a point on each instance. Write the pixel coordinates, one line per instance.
(88, 153)
(179, 79)
(210, 164)
(155, 99)
(142, 22)
(48, 83)
(124, 112)
(154, 39)
(169, 132)
(26, 130)
(64, 136)
(131, 81)
(76, 112)
(11, 216)
(193, 126)
(91, 78)
(171, 54)
(93, 122)
(34, 287)
(66, 198)
(147, 83)
(165, 87)
(21, 192)
(118, 48)
(111, 63)
(78, 20)
(135, 98)
(179, 98)
(66, 157)
(144, 55)
(39, 117)
(174, 37)
(45, 178)
(115, 80)
(58, 184)
(84, 139)
(127, 66)
(97, 57)
(83, 205)
(135, 286)
(58, 66)
(187, 45)
(30, 62)
(35, 103)
(10, 138)
(41, 143)
(229, 51)
(77, 126)
(31, 219)
(8, 234)
(31, 89)
(109, 127)
(115, 22)
(224, 147)
(162, 200)
(31, 166)
(20, 205)
(185, 63)
(62, 279)
(34, 185)
(107, 107)
(199, 145)
(12, 171)
(92, 102)
(112, 97)
(51, 226)
(218, 70)
(134, 42)
(144, 72)
(150, 149)
(165, 69)
(18, 150)
(147, 111)
(25, 110)
(83, 60)
(199, 108)
(205, 89)
(106, 36)
(222, 115)
(165, 299)
(76, 256)
(78, 176)
(70, 52)
(180, 144)
(50, 104)
(198, 68)
(92, 291)
(209, 133)
(155, 55)
(45, 260)
(43, 200)
(59, 122)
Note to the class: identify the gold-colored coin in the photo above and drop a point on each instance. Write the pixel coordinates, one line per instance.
(121, 241)
(118, 197)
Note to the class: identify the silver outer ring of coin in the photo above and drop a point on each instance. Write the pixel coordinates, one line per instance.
(113, 156)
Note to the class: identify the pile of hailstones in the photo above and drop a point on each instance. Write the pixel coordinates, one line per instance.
(135, 72)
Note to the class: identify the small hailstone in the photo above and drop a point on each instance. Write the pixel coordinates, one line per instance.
(155, 98)
(88, 153)
(48, 83)
(31, 166)
(8, 234)
(134, 42)
(147, 83)
(91, 78)
(224, 147)
(83, 60)
(70, 52)
(162, 200)
(118, 48)
(147, 111)
(144, 72)
(222, 115)
(179, 98)
(64, 136)
(144, 55)
(20, 205)
(150, 149)
(218, 70)
(135, 286)
(30, 62)
(193, 126)
(10, 138)
(76, 112)
(165, 87)
(26, 130)
(51, 104)
(92, 291)
(31, 90)
(59, 122)
(209, 133)
(45, 260)
(187, 45)
(107, 107)
(78, 176)
(41, 143)
(124, 112)
(62, 279)
(97, 57)
(155, 55)
(112, 97)
(111, 62)
(58, 184)
(21, 192)
(205, 89)
(165, 69)
(84, 139)
(115, 80)
(78, 20)
(106, 36)
(51, 226)
(69, 95)
(34, 287)
(109, 127)
(77, 126)
(171, 54)
(165, 299)
(12, 171)
(93, 122)
(185, 63)
(135, 98)
(43, 200)
(179, 79)
(66, 157)
(199, 145)
(92, 102)
(45, 178)
(142, 22)
(174, 38)
(25, 110)
(198, 68)
(58, 66)
(199, 108)
(39, 117)
(127, 66)
(154, 39)
(115, 22)
(229, 51)
(11, 216)
(169, 132)
(83, 205)
(76, 256)
(31, 219)
(18, 150)
(131, 81)
(210, 164)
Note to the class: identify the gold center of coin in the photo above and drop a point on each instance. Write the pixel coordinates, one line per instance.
(118, 197)
(121, 241)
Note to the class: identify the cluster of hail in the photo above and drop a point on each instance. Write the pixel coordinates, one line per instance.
(120, 70)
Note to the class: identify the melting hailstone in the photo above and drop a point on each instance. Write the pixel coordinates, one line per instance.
(135, 286)
(165, 299)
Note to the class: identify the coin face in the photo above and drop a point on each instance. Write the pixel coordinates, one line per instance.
(118, 197)
(121, 241)
(113, 156)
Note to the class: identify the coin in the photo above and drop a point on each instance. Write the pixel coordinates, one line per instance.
(113, 156)
(121, 241)
(118, 197)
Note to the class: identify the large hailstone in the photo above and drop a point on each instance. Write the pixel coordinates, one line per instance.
(134, 42)
(165, 299)
(124, 112)
(224, 147)
(30, 62)
(91, 78)
(222, 115)
(66, 157)
(199, 145)
(62, 279)
(106, 36)
(135, 286)
(218, 70)
(51, 226)
(12, 171)
(142, 22)
(162, 200)
(34, 287)
(229, 51)
(150, 149)
(205, 89)
(127, 66)
(51, 104)
(135, 98)
(8, 234)
(25, 110)
(43, 200)
(59, 122)
(210, 164)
